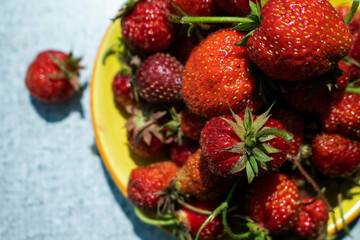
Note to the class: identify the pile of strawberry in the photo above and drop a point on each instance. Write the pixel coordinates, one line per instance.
(245, 98)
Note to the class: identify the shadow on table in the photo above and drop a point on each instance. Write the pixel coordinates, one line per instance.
(141, 229)
(55, 112)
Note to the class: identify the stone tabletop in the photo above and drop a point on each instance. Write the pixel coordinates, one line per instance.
(53, 184)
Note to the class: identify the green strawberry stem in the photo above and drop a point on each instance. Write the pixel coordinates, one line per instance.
(274, 131)
(296, 161)
(188, 20)
(352, 11)
(350, 89)
(339, 201)
(163, 223)
(194, 209)
(221, 208)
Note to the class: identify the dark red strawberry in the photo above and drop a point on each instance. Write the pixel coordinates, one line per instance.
(196, 7)
(343, 115)
(355, 54)
(293, 123)
(144, 133)
(145, 182)
(354, 24)
(159, 79)
(335, 155)
(194, 220)
(302, 99)
(298, 40)
(122, 91)
(191, 124)
(194, 179)
(182, 46)
(273, 202)
(312, 220)
(53, 76)
(216, 76)
(181, 152)
(146, 28)
(244, 144)
(234, 7)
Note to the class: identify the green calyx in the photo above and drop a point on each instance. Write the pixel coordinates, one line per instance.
(69, 69)
(253, 147)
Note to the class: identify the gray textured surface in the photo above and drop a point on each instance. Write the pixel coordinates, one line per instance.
(52, 186)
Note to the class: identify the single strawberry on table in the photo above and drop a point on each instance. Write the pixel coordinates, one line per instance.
(53, 76)
(145, 182)
(216, 76)
(335, 155)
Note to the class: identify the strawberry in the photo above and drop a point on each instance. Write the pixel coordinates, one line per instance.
(53, 76)
(194, 220)
(354, 24)
(181, 152)
(196, 7)
(216, 76)
(191, 124)
(122, 91)
(159, 79)
(234, 7)
(302, 99)
(143, 132)
(239, 144)
(335, 155)
(146, 28)
(182, 46)
(273, 202)
(297, 40)
(355, 54)
(312, 220)
(343, 115)
(146, 181)
(344, 80)
(194, 179)
(293, 123)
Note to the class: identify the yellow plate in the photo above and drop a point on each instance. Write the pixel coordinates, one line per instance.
(110, 134)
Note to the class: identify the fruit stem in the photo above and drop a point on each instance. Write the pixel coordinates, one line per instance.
(187, 20)
(274, 131)
(194, 209)
(352, 90)
(296, 161)
(340, 200)
(352, 11)
(150, 221)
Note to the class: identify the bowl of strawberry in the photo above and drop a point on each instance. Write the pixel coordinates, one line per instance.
(233, 119)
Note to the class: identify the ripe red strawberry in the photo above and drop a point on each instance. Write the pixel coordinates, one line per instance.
(196, 7)
(344, 80)
(293, 123)
(297, 40)
(191, 124)
(146, 28)
(354, 24)
(193, 220)
(239, 144)
(335, 155)
(144, 133)
(194, 179)
(300, 97)
(145, 182)
(182, 46)
(355, 54)
(216, 76)
(180, 153)
(273, 202)
(159, 79)
(234, 7)
(343, 115)
(122, 91)
(53, 76)
(312, 220)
